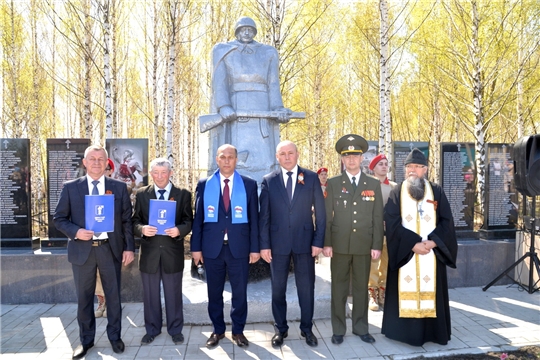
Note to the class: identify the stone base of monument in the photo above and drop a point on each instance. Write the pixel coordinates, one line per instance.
(45, 276)
(257, 272)
(48, 243)
(467, 234)
(18, 243)
(61, 243)
(496, 234)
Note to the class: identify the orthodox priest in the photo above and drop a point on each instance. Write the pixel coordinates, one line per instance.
(421, 243)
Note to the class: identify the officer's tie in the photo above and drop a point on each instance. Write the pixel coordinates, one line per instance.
(354, 183)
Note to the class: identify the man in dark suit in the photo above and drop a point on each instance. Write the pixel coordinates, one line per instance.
(354, 236)
(225, 236)
(290, 197)
(88, 251)
(161, 257)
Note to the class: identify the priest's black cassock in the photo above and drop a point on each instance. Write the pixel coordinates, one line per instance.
(400, 241)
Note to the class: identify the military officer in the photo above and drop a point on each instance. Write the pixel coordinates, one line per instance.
(354, 236)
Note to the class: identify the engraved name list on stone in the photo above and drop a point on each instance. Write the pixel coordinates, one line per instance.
(63, 166)
(15, 217)
(10, 178)
(501, 191)
(454, 186)
(457, 172)
(64, 163)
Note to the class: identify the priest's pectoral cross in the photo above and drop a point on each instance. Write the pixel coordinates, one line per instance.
(420, 211)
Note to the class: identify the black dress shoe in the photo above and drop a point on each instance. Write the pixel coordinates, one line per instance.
(240, 340)
(118, 346)
(147, 339)
(337, 339)
(311, 340)
(367, 338)
(178, 339)
(277, 339)
(213, 341)
(81, 350)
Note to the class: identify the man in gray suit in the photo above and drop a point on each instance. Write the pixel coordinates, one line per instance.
(88, 251)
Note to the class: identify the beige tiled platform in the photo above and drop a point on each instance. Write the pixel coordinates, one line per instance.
(503, 317)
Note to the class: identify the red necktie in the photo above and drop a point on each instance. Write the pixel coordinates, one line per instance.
(226, 196)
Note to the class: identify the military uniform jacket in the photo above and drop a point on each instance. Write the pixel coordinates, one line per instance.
(354, 220)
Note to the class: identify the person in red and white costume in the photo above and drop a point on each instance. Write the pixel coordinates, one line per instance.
(377, 275)
(323, 178)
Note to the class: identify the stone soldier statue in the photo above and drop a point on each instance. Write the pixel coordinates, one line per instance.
(246, 107)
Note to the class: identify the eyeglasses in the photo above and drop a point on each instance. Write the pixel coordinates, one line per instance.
(414, 167)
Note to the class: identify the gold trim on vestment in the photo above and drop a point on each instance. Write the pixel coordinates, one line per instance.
(417, 279)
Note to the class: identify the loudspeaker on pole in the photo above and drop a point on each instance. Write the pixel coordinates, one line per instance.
(527, 165)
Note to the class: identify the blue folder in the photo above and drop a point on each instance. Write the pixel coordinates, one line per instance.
(99, 210)
(162, 214)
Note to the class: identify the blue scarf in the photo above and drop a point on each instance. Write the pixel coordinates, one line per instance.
(212, 194)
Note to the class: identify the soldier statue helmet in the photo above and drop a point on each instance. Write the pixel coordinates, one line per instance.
(245, 21)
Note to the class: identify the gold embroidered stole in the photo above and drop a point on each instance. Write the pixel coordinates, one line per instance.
(417, 277)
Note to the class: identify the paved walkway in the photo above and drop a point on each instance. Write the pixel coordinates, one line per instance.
(502, 318)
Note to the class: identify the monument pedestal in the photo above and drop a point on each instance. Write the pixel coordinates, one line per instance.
(48, 243)
(19, 243)
(467, 235)
(497, 234)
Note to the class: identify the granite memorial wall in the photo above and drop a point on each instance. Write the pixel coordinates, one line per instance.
(64, 163)
(501, 197)
(401, 150)
(15, 194)
(458, 182)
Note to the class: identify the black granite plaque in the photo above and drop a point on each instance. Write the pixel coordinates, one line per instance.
(458, 182)
(373, 150)
(401, 150)
(15, 194)
(64, 159)
(501, 210)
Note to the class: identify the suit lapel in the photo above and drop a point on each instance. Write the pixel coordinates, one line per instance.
(298, 188)
(151, 193)
(108, 185)
(175, 193)
(82, 186)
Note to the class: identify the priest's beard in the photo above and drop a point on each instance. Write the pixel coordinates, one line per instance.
(416, 187)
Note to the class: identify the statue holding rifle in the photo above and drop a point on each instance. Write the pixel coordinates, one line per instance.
(246, 107)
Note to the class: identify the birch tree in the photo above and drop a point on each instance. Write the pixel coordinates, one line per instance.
(105, 8)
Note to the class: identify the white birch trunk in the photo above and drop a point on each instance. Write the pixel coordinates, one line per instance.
(156, 42)
(519, 89)
(436, 139)
(14, 72)
(171, 83)
(385, 125)
(107, 69)
(478, 93)
(87, 113)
